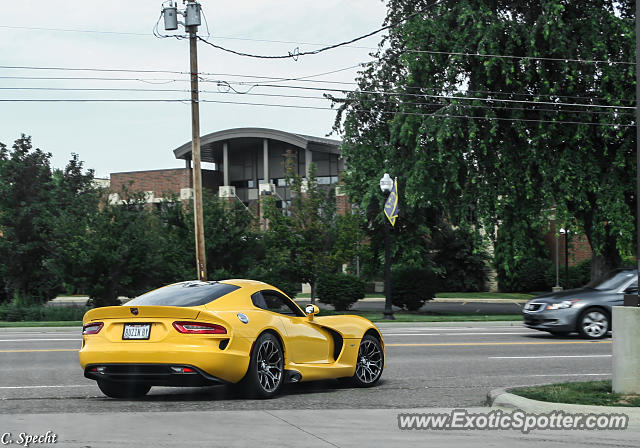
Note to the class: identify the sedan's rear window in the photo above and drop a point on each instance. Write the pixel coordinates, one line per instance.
(612, 280)
(184, 294)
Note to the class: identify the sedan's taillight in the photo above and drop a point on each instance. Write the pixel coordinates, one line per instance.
(92, 328)
(199, 328)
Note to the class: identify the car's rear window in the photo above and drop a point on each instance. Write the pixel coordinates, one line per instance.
(184, 294)
(612, 280)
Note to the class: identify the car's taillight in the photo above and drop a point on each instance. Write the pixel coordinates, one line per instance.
(92, 328)
(199, 328)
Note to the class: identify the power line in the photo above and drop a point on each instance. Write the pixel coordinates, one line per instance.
(297, 53)
(554, 103)
(506, 56)
(292, 106)
(452, 97)
(449, 97)
(70, 30)
(290, 42)
(270, 95)
(300, 79)
(78, 69)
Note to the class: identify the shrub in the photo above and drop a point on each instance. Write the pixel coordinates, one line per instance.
(411, 287)
(463, 260)
(340, 290)
(579, 275)
(40, 313)
(528, 275)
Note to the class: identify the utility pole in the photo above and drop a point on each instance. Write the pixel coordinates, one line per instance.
(191, 22)
(201, 258)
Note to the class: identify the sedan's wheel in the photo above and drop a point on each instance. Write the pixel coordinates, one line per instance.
(123, 390)
(266, 369)
(370, 362)
(593, 324)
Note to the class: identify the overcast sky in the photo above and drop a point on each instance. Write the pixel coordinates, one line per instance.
(118, 136)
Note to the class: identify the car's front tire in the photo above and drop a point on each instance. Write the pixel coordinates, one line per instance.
(370, 362)
(123, 390)
(265, 376)
(594, 323)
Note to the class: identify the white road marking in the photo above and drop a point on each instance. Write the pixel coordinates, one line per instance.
(570, 374)
(427, 328)
(38, 333)
(40, 339)
(453, 334)
(45, 387)
(550, 356)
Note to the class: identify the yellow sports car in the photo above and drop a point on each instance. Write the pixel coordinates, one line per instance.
(233, 331)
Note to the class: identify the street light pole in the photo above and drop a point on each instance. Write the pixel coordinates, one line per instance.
(388, 304)
(386, 185)
(566, 258)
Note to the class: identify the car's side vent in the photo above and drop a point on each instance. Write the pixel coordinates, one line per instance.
(337, 342)
(224, 343)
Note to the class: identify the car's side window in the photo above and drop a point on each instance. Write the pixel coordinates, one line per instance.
(258, 301)
(276, 302)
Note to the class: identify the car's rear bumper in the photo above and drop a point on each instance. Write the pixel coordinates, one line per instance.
(208, 355)
(151, 374)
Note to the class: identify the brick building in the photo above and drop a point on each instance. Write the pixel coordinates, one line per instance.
(247, 162)
(579, 249)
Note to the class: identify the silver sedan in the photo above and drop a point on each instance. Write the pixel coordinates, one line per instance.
(584, 310)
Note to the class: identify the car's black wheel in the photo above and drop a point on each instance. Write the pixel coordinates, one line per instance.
(266, 368)
(594, 323)
(559, 333)
(370, 362)
(123, 390)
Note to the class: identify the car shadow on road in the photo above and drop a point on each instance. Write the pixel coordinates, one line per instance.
(570, 337)
(235, 393)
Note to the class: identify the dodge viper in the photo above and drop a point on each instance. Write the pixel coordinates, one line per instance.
(224, 332)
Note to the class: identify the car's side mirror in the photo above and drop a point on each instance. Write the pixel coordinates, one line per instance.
(631, 290)
(311, 310)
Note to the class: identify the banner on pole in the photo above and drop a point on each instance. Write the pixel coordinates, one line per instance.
(391, 206)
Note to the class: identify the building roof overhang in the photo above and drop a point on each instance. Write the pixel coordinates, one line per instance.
(298, 140)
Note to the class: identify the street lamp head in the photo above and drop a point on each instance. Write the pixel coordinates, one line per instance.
(386, 183)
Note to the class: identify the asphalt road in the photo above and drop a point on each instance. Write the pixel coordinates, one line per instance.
(427, 365)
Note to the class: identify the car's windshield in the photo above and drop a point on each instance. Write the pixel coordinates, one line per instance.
(612, 280)
(184, 294)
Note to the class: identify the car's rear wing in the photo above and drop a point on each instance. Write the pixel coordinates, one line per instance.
(144, 312)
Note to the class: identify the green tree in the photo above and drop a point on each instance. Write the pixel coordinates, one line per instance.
(26, 212)
(309, 239)
(231, 239)
(75, 200)
(482, 138)
(121, 254)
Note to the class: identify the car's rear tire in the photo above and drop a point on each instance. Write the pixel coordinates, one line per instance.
(265, 376)
(370, 362)
(123, 390)
(594, 323)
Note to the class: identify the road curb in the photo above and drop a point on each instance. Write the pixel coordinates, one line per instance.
(503, 399)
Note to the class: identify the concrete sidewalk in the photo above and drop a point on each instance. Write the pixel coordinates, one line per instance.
(285, 428)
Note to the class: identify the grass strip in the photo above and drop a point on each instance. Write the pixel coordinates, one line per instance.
(596, 393)
(59, 323)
